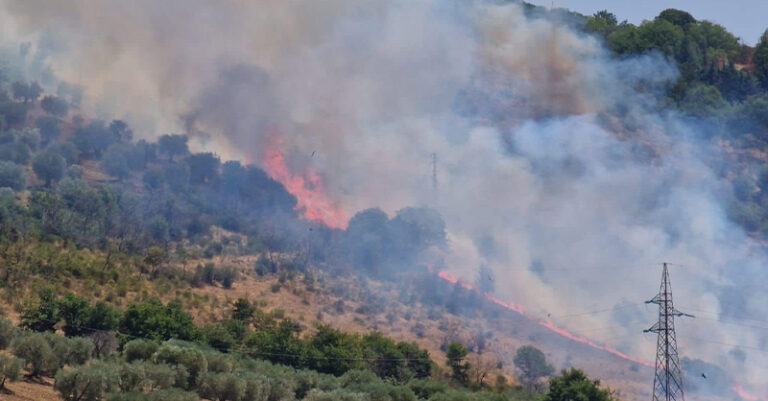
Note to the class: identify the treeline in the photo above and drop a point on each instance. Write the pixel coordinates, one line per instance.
(721, 81)
(152, 351)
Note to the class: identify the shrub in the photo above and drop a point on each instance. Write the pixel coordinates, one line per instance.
(426, 388)
(10, 369)
(131, 377)
(83, 384)
(80, 350)
(7, 333)
(191, 358)
(222, 387)
(140, 350)
(162, 376)
(35, 350)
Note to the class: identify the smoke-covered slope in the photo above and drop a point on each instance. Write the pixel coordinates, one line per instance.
(571, 154)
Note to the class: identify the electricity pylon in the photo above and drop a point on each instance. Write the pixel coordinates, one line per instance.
(668, 379)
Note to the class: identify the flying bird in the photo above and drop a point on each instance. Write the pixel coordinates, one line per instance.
(703, 375)
(313, 154)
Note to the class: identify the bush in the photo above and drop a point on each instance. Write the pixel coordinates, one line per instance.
(222, 387)
(80, 350)
(37, 353)
(83, 384)
(7, 333)
(10, 370)
(162, 376)
(131, 377)
(192, 359)
(139, 350)
(426, 388)
(152, 319)
(12, 176)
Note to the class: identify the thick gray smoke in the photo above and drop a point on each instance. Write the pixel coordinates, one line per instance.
(550, 153)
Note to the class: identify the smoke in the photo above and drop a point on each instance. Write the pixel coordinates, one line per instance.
(555, 167)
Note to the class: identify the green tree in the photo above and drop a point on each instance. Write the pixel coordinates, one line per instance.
(117, 160)
(532, 364)
(10, 370)
(760, 58)
(203, 167)
(333, 351)
(26, 91)
(49, 128)
(54, 105)
(243, 310)
(573, 384)
(459, 367)
(75, 311)
(677, 17)
(193, 360)
(12, 176)
(173, 145)
(222, 387)
(152, 319)
(37, 353)
(84, 383)
(43, 314)
(49, 166)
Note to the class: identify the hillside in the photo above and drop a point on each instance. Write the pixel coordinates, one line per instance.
(444, 202)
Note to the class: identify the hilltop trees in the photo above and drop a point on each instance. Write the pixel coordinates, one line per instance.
(54, 106)
(26, 91)
(12, 176)
(173, 145)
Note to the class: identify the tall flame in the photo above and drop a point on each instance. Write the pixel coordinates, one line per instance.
(307, 187)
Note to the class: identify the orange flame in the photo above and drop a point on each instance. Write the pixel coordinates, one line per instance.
(544, 323)
(307, 187)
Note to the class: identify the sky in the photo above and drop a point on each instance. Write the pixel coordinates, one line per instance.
(747, 19)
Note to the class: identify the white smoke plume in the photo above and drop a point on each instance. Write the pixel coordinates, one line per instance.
(551, 154)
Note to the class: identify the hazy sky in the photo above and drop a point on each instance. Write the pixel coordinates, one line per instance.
(747, 19)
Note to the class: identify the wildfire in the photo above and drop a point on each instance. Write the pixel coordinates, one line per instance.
(545, 323)
(307, 187)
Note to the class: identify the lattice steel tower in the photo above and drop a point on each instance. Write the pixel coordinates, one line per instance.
(668, 379)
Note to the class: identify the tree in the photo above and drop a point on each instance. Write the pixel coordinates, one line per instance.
(243, 310)
(203, 167)
(222, 387)
(43, 314)
(49, 166)
(602, 22)
(74, 310)
(10, 370)
(7, 333)
(26, 91)
(760, 58)
(49, 128)
(152, 319)
(193, 360)
(139, 350)
(573, 384)
(532, 364)
(12, 176)
(459, 367)
(173, 145)
(677, 17)
(54, 105)
(37, 353)
(93, 139)
(121, 131)
(117, 160)
(83, 383)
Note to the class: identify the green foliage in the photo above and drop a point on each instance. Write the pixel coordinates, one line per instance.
(117, 160)
(49, 166)
(84, 383)
(222, 387)
(573, 384)
(532, 364)
(43, 314)
(456, 353)
(139, 350)
(676, 17)
(173, 145)
(186, 355)
(10, 370)
(152, 319)
(37, 353)
(426, 388)
(12, 176)
(7, 333)
(760, 58)
(54, 105)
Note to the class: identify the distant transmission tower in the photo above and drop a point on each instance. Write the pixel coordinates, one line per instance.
(668, 379)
